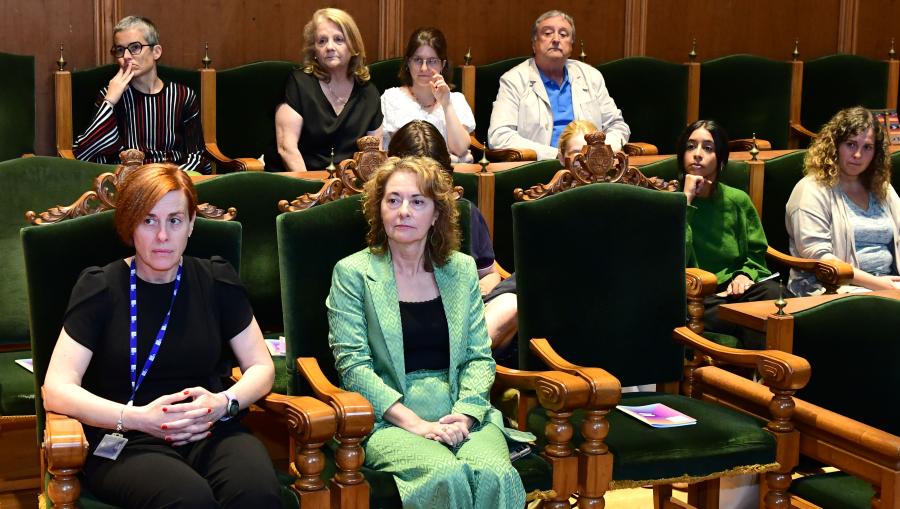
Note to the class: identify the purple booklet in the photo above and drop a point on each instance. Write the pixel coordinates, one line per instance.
(658, 415)
(276, 347)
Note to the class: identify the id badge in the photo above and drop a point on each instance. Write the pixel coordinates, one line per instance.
(111, 446)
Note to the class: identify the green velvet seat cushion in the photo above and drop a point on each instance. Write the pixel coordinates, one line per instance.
(635, 83)
(723, 339)
(863, 83)
(255, 195)
(246, 98)
(535, 472)
(280, 385)
(17, 105)
(722, 440)
(505, 182)
(748, 94)
(487, 83)
(16, 384)
(834, 490)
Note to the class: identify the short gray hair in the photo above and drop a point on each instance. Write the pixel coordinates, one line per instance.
(140, 23)
(551, 14)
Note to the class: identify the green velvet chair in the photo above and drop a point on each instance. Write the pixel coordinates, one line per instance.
(585, 290)
(505, 182)
(244, 109)
(850, 341)
(895, 170)
(51, 276)
(383, 73)
(653, 97)
(487, 83)
(306, 280)
(780, 176)
(17, 105)
(748, 94)
(834, 82)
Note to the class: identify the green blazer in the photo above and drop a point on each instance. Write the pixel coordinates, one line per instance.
(366, 336)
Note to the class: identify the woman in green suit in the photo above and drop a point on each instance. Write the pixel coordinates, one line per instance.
(407, 331)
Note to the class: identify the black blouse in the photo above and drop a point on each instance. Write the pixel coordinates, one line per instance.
(426, 337)
(210, 309)
(322, 129)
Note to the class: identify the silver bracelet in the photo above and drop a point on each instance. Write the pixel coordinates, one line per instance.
(120, 425)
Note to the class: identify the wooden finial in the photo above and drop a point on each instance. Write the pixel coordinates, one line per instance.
(331, 167)
(484, 161)
(796, 53)
(780, 303)
(467, 58)
(891, 53)
(692, 55)
(61, 63)
(206, 60)
(583, 55)
(754, 150)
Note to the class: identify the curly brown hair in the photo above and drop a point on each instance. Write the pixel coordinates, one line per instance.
(821, 159)
(435, 183)
(357, 66)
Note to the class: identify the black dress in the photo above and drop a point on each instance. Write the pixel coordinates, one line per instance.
(322, 129)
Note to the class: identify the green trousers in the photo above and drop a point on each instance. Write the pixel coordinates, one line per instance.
(476, 474)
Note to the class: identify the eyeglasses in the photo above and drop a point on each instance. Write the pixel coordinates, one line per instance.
(433, 63)
(133, 48)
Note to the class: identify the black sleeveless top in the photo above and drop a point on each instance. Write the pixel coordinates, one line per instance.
(426, 337)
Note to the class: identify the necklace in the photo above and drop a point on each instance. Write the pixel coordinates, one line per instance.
(425, 107)
(334, 95)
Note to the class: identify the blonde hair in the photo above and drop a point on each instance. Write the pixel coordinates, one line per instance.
(435, 183)
(575, 127)
(357, 65)
(821, 160)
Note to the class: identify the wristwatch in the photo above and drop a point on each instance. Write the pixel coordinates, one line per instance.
(232, 407)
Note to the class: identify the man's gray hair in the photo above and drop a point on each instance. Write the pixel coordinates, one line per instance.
(551, 14)
(139, 23)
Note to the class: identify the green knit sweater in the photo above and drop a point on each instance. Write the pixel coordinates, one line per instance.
(726, 236)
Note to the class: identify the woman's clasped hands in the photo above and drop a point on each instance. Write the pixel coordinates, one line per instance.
(451, 429)
(178, 418)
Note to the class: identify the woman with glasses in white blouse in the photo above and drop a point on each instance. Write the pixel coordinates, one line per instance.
(425, 94)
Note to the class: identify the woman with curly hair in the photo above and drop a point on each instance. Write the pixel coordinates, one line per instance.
(845, 207)
(407, 330)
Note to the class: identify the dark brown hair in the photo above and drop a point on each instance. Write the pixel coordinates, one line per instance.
(434, 38)
(142, 189)
(420, 138)
(435, 183)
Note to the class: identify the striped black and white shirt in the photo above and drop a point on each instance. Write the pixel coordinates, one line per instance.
(164, 126)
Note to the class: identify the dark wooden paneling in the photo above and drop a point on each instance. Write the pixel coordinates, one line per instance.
(879, 21)
(36, 28)
(242, 31)
(498, 30)
(725, 27)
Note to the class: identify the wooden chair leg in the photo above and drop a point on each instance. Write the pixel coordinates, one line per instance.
(310, 423)
(349, 488)
(661, 496)
(595, 461)
(704, 495)
(559, 453)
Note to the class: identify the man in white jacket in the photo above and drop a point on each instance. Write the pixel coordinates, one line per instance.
(540, 96)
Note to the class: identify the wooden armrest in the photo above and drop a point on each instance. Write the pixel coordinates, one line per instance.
(504, 274)
(802, 131)
(273, 401)
(310, 421)
(745, 144)
(606, 390)
(65, 445)
(228, 164)
(66, 154)
(497, 155)
(355, 415)
(699, 283)
(638, 148)
(557, 391)
(779, 370)
(831, 273)
(868, 442)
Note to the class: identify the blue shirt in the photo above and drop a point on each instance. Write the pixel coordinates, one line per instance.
(560, 103)
(873, 236)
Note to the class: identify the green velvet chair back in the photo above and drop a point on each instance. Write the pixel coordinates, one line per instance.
(246, 98)
(56, 254)
(383, 73)
(256, 195)
(779, 178)
(895, 171)
(653, 97)
(600, 274)
(736, 174)
(469, 183)
(16, 105)
(834, 82)
(87, 83)
(748, 94)
(337, 229)
(31, 183)
(487, 83)
(834, 334)
(505, 182)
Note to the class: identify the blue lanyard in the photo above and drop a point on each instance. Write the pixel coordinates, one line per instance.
(136, 381)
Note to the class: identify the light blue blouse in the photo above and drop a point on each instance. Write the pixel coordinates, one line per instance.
(873, 236)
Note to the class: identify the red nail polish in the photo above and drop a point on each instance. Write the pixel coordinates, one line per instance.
(187, 392)
(165, 409)
(164, 426)
(168, 439)
(209, 410)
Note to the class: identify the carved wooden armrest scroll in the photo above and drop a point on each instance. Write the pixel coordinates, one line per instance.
(594, 164)
(103, 196)
(348, 178)
(65, 449)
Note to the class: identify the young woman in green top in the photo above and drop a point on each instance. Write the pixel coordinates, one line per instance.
(726, 234)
